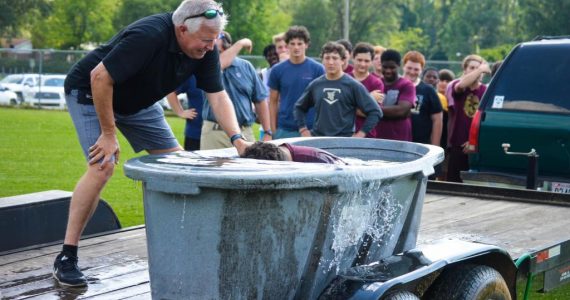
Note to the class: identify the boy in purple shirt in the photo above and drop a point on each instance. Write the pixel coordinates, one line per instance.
(398, 101)
(463, 96)
(362, 55)
(288, 152)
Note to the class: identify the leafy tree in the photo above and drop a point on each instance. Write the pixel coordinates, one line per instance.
(496, 53)
(473, 25)
(541, 17)
(75, 22)
(321, 26)
(426, 15)
(16, 16)
(409, 39)
(132, 10)
(373, 21)
(257, 20)
(370, 21)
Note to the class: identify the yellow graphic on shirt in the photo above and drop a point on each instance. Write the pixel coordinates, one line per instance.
(471, 105)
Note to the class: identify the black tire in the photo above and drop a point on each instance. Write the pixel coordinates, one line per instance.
(401, 296)
(13, 102)
(469, 282)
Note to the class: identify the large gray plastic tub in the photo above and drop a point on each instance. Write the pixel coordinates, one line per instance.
(230, 228)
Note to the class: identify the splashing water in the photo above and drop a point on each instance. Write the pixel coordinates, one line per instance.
(371, 210)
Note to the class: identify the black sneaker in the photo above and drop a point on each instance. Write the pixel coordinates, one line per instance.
(66, 272)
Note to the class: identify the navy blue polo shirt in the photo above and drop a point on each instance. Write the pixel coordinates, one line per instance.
(146, 63)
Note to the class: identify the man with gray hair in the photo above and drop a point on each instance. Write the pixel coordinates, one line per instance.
(118, 84)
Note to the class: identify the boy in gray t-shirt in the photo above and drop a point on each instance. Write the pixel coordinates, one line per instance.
(336, 97)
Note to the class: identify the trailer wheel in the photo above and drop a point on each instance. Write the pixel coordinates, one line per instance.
(404, 295)
(469, 282)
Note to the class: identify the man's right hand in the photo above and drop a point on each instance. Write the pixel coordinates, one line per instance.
(104, 149)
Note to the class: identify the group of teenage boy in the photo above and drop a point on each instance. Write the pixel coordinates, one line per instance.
(118, 85)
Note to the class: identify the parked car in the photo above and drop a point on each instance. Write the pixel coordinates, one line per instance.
(17, 82)
(48, 94)
(525, 112)
(7, 97)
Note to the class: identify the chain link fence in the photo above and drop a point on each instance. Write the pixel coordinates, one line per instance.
(48, 61)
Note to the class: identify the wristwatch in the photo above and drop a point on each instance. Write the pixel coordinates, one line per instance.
(236, 136)
(268, 132)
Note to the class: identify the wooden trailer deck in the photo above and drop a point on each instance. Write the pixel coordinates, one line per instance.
(116, 263)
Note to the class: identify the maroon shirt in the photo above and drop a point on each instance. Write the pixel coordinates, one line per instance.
(461, 109)
(312, 155)
(371, 83)
(401, 90)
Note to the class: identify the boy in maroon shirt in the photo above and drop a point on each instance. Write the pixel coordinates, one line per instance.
(399, 99)
(288, 152)
(463, 97)
(362, 55)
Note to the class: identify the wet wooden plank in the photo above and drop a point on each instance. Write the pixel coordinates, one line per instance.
(126, 277)
(128, 233)
(141, 291)
(89, 257)
(116, 267)
(518, 227)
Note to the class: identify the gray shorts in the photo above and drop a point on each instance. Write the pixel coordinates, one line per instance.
(145, 130)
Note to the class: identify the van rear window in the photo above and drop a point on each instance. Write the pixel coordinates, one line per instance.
(536, 78)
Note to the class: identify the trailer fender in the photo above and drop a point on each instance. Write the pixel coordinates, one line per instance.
(439, 256)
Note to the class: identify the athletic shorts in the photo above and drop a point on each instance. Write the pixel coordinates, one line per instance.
(145, 130)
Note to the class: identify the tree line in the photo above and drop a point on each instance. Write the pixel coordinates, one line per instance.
(441, 29)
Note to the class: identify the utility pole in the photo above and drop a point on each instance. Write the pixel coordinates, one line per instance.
(346, 19)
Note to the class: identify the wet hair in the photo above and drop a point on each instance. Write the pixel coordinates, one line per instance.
(346, 44)
(446, 75)
(430, 69)
(391, 55)
(265, 151)
(195, 7)
(363, 48)
(415, 56)
(496, 67)
(268, 49)
(331, 47)
(297, 32)
(226, 39)
(470, 58)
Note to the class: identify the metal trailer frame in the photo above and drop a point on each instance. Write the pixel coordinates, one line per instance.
(417, 269)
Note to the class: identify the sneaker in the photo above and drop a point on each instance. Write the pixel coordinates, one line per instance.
(66, 272)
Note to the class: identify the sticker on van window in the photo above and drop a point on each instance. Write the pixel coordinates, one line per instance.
(498, 101)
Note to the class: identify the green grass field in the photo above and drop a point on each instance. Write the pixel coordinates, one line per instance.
(39, 151)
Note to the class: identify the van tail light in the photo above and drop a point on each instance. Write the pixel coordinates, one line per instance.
(474, 132)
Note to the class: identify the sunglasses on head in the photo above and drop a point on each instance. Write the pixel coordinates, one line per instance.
(209, 14)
